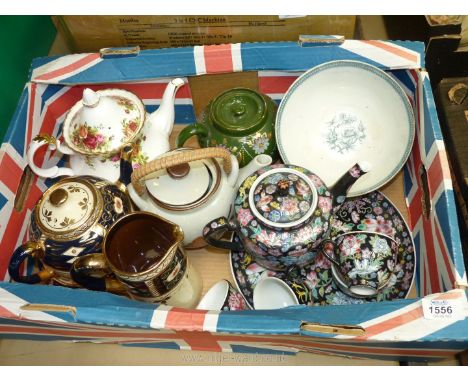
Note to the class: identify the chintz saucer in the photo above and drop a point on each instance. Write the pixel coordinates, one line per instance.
(314, 284)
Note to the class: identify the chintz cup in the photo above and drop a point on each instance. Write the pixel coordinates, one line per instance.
(362, 261)
(223, 296)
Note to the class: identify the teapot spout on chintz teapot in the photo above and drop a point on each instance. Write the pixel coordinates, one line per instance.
(98, 126)
(281, 213)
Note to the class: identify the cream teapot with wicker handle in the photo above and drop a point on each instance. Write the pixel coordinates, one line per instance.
(190, 186)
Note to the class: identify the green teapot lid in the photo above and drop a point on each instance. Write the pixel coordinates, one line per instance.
(239, 111)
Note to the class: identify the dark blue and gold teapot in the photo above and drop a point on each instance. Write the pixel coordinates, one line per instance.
(70, 220)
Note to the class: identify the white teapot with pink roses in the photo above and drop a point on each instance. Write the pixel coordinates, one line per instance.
(98, 126)
(281, 214)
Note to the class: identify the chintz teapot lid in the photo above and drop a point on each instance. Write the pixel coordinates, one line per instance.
(283, 197)
(104, 121)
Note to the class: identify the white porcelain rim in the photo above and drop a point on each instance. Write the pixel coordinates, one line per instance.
(213, 288)
(279, 281)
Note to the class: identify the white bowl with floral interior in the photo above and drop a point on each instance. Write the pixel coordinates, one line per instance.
(344, 112)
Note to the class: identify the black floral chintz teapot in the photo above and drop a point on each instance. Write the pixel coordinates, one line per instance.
(282, 213)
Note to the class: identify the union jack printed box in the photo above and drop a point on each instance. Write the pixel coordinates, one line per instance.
(396, 330)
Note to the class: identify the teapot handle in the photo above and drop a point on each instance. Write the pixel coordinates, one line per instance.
(215, 229)
(193, 129)
(94, 262)
(144, 172)
(30, 249)
(52, 172)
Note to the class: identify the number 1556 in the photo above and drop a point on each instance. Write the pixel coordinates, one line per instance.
(440, 309)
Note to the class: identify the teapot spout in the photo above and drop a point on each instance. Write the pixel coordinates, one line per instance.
(342, 186)
(163, 118)
(255, 164)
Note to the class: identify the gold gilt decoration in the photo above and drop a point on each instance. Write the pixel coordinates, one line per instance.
(46, 138)
(60, 226)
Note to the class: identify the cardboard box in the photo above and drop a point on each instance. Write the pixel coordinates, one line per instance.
(91, 33)
(421, 28)
(444, 58)
(452, 105)
(423, 191)
(444, 24)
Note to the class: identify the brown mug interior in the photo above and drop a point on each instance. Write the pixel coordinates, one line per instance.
(138, 242)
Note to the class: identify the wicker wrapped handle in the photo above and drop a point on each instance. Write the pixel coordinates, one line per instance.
(144, 172)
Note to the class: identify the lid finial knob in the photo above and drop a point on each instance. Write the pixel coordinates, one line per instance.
(58, 197)
(238, 110)
(178, 171)
(90, 98)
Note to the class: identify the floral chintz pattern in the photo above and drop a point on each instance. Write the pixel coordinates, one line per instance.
(365, 259)
(90, 138)
(313, 283)
(130, 127)
(355, 171)
(138, 157)
(126, 103)
(282, 197)
(234, 300)
(101, 139)
(374, 212)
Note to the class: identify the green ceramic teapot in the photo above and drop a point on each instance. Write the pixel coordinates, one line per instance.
(241, 120)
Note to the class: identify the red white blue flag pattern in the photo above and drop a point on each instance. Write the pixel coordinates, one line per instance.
(393, 330)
